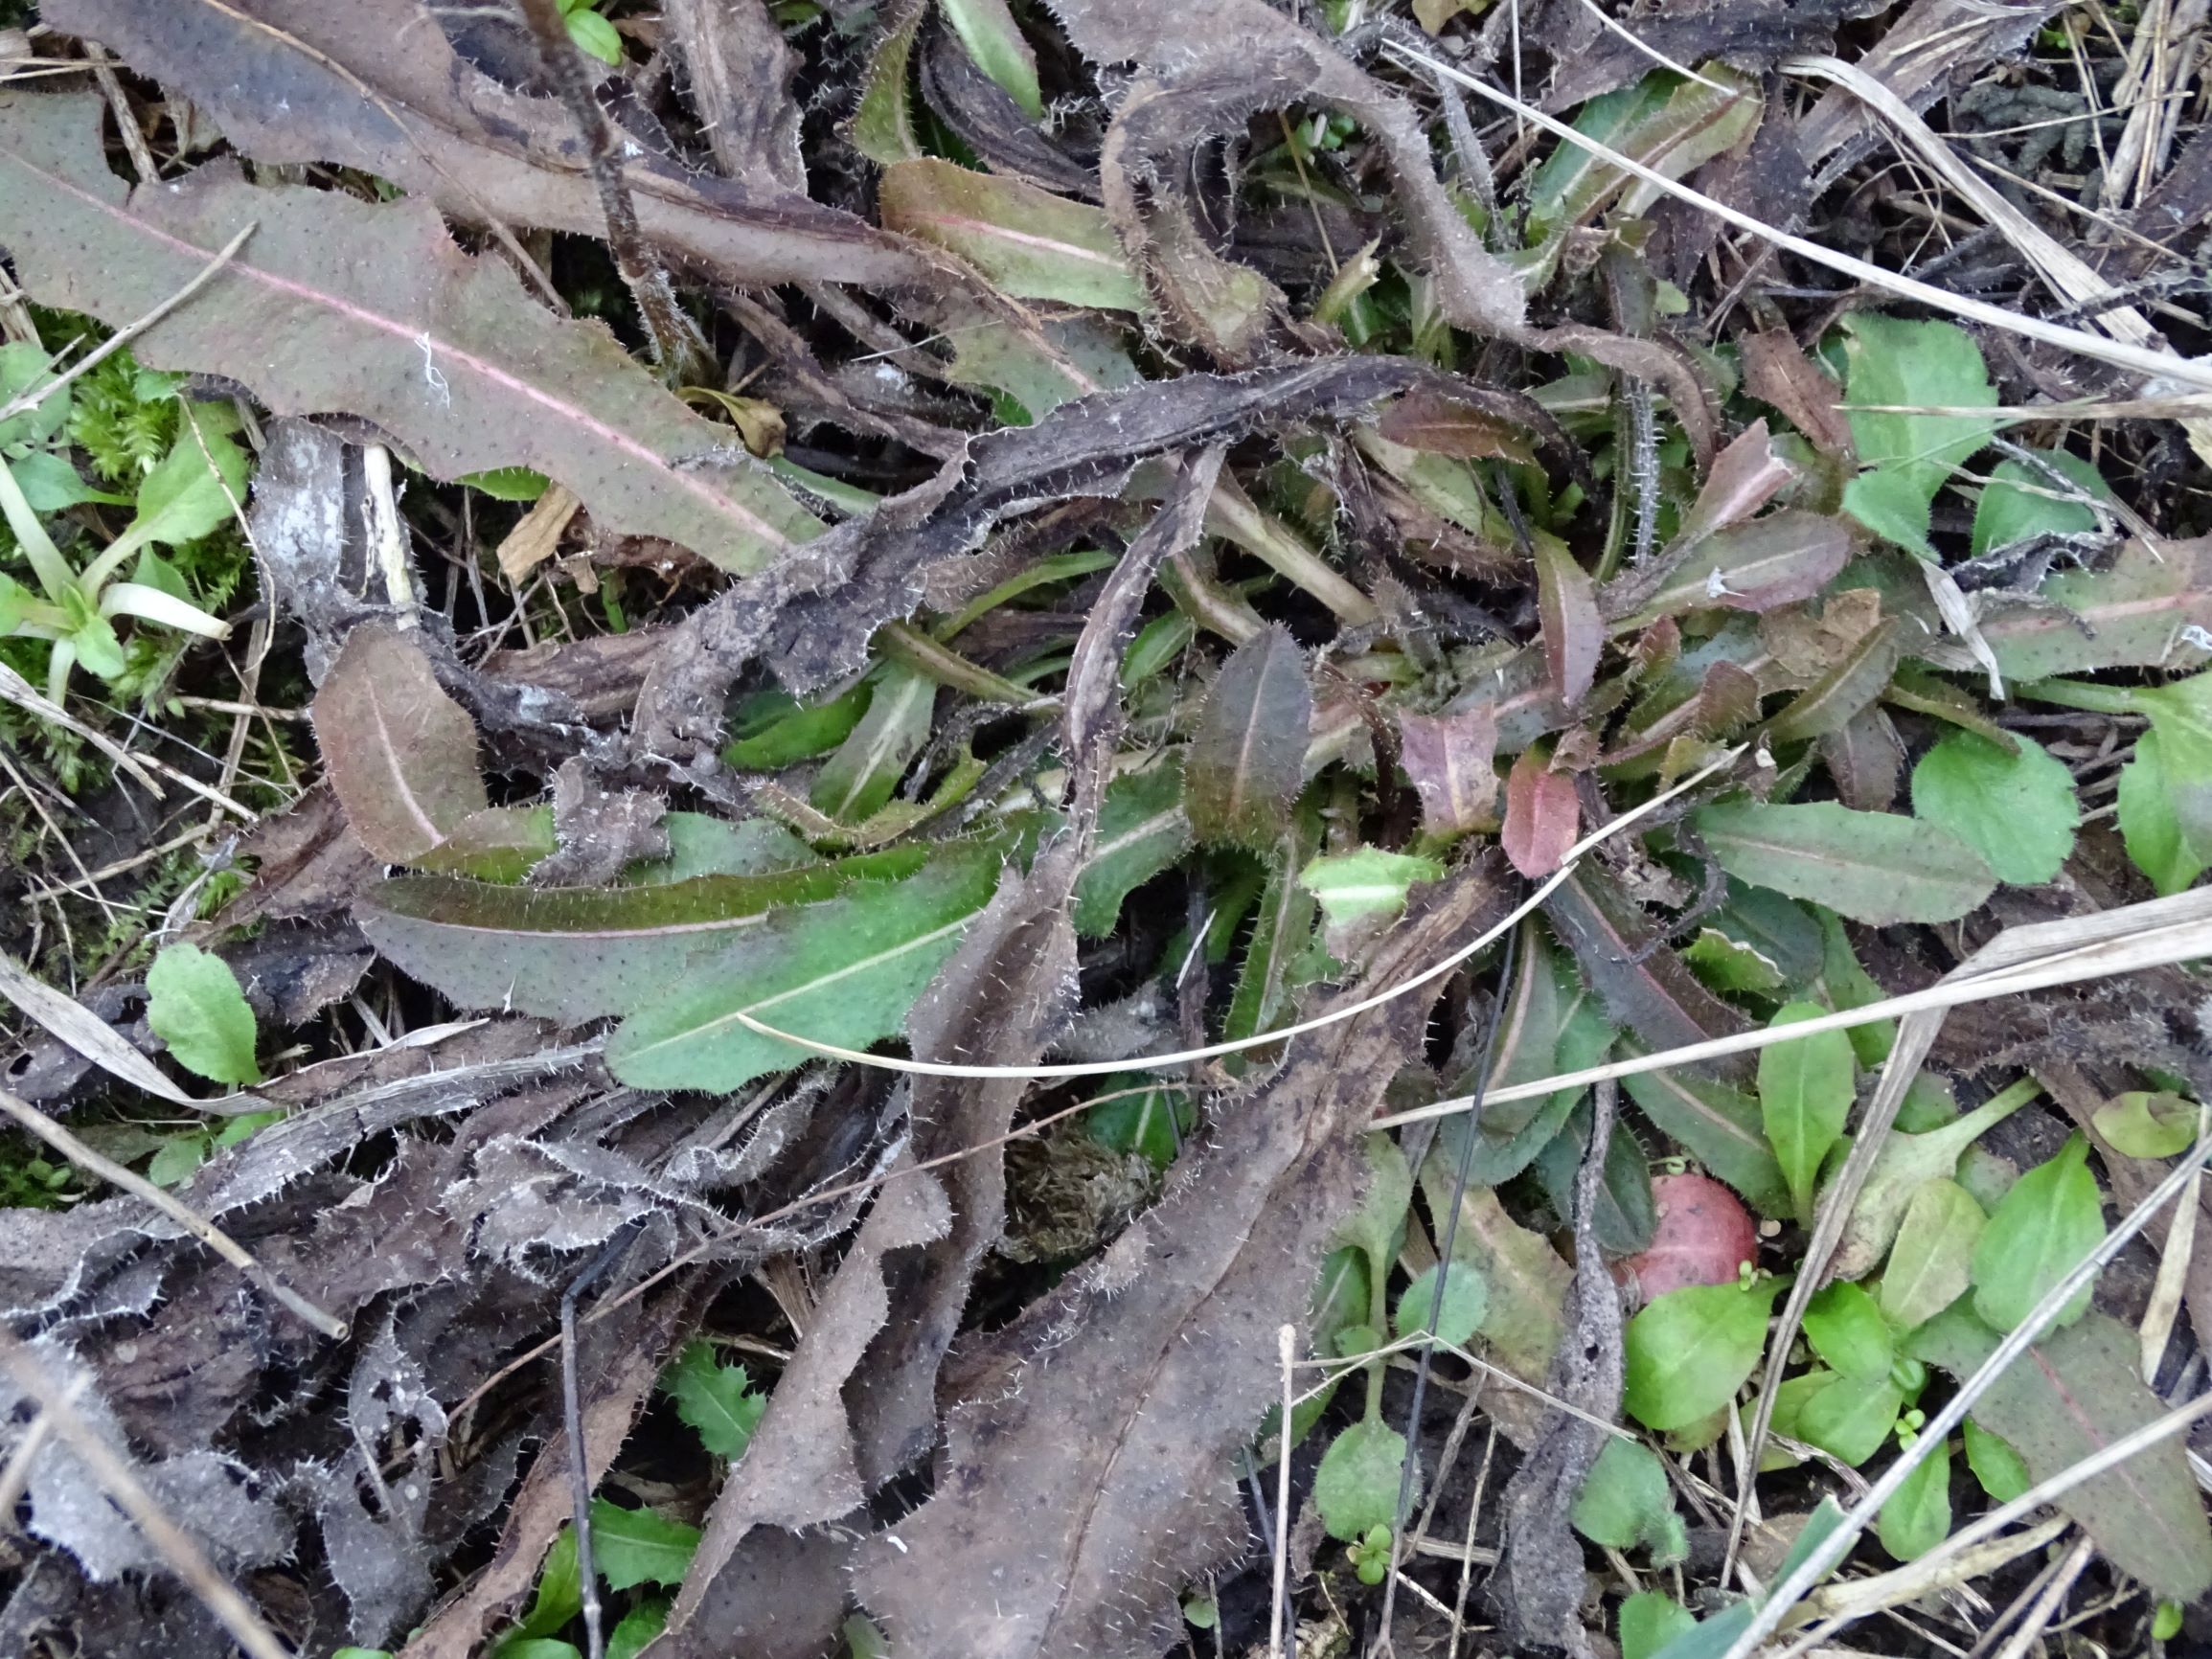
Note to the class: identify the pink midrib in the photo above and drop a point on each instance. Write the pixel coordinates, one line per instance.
(612, 436)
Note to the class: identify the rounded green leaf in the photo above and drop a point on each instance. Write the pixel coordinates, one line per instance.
(195, 1007)
(2017, 811)
(1626, 1501)
(1650, 1620)
(595, 35)
(1918, 1514)
(2148, 1126)
(1356, 1488)
(1466, 1299)
(1848, 1331)
(2053, 1216)
(1689, 1351)
(1851, 1417)
(2001, 1471)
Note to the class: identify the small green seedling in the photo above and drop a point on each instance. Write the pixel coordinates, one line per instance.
(591, 32)
(194, 1006)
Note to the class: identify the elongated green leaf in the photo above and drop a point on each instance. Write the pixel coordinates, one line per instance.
(2018, 810)
(2053, 1216)
(2134, 614)
(185, 498)
(2150, 827)
(1806, 1088)
(2021, 501)
(987, 29)
(1141, 832)
(194, 1006)
(1248, 755)
(1030, 242)
(861, 776)
(1931, 1262)
(337, 304)
(1847, 1329)
(578, 953)
(1873, 866)
(1918, 1514)
(1689, 1351)
(1833, 700)
(843, 972)
(1719, 1125)
(1849, 1416)
(1365, 882)
(2071, 1395)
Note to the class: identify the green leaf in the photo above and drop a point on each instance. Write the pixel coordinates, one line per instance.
(863, 775)
(1905, 1164)
(1689, 1351)
(579, 953)
(700, 845)
(1720, 1126)
(1144, 1119)
(2150, 827)
(595, 35)
(99, 649)
(507, 483)
(638, 1628)
(1627, 1502)
(987, 29)
(1466, 1299)
(1889, 360)
(1356, 1488)
(1849, 985)
(843, 972)
(1918, 1514)
(775, 729)
(2148, 1126)
(2018, 810)
(559, 1594)
(1247, 757)
(1806, 1089)
(716, 1400)
(177, 1157)
(1141, 832)
(1847, 1329)
(1850, 1417)
(1365, 882)
(184, 498)
(194, 1006)
(1931, 1262)
(1377, 1226)
(2053, 1216)
(1873, 866)
(52, 485)
(1650, 1620)
(1030, 243)
(632, 1547)
(2020, 502)
(2071, 1395)
(1999, 1468)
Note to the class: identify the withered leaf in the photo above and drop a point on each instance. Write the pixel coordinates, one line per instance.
(1776, 371)
(373, 84)
(1247, 757)
(1427, 418)
(1135, 1381)
(741, 71)
(1749, 33)
(1248, 56)
(369, 308)
(1448, 756)
(1846, 690)
(402, 754)
(1573, 636)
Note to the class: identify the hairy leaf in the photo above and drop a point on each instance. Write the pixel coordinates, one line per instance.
(1142, 830)
(370, 310)
(1717, 1125)
(1030, 242)
(400, 753)
(1541, 816)
(1248, 755)
(1759, 566)
(1448, 756)
(1573, 637)
(1873, 866)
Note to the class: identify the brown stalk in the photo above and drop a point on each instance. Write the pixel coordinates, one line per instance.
(677, 345)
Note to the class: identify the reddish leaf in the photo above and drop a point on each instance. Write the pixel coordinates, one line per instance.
(1703, 1235)
(1775, 561)
(1541, 816)
(1426, 419)
(402, 754)
(1448, 756)
(1573, 635)
(1744, 477)
(1776, 371)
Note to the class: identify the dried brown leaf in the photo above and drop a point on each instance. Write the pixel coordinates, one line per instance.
(402, 754)
(1744, 477)
(1573, 635)
(1087, 1472)
(1427, 418)
(1449, 759)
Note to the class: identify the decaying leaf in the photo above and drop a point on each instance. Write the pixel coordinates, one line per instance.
(1135, 1380)
(1448, 756)
(369, 308)
(402, 754)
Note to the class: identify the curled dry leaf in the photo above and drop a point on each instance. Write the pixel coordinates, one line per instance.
(400, 753)
(369, 308)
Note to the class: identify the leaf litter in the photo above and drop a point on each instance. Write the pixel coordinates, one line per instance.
(1057, 539)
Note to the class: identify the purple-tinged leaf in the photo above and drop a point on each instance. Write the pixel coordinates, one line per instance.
(1426, 419)
(1648, 989)
(1450, 756)
(2139, 613)
(1573, 635)
(400, 753)
(1541, 816)
(1776, 560)
(1744, 477)
(1845, 691)
(1033, 244)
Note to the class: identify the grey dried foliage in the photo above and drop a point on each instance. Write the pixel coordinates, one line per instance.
(1135, 1382)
